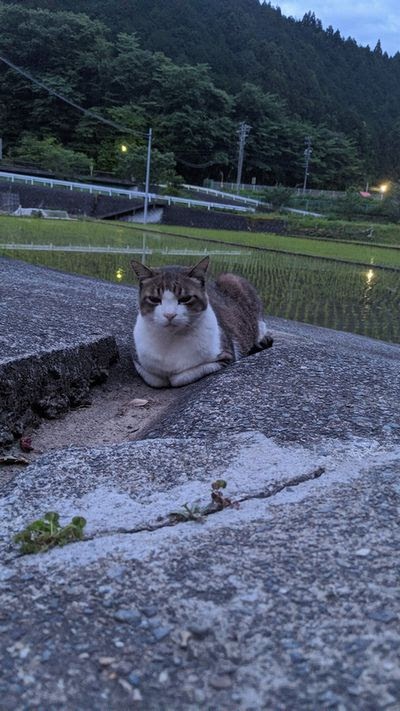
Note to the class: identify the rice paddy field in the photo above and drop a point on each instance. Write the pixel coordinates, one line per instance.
(334, 283)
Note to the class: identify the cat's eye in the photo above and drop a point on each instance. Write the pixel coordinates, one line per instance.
(185, 299)
(154, 300)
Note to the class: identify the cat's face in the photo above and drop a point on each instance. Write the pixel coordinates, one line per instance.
(172, 297)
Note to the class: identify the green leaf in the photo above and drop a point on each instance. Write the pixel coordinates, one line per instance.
(219, 484)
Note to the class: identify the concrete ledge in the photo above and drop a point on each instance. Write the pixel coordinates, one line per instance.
(58, 335)
(48, 384)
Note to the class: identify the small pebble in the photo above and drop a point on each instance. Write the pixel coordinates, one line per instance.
(126, 685)
(116, 572)
(149, 610)
(363, 552)
(199, 629)
(123, 615)
(221, 682)
(161, 632)
(134, 679)
(106, 661)
(383, 616)
(199, 696)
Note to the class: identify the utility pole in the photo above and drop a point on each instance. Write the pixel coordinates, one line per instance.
(307, 155)
(147, 185)
(244, 130)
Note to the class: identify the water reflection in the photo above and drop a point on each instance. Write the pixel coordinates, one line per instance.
(370, 280)
(369, 275)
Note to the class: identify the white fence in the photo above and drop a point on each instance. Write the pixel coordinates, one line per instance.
(121, 192)
(115, 250)
(220, 193)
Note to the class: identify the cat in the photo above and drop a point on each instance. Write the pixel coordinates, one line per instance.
(186, 329)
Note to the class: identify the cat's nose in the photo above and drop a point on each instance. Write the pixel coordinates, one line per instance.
(169, 315)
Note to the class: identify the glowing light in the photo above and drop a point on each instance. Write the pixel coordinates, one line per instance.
(383, 189)
(124, 148)
(119, 274)
(369, 276)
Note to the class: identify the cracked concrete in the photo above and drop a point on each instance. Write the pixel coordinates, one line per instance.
(124, 480)
(288, 601)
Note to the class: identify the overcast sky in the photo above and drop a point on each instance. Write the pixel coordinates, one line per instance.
(364, 20)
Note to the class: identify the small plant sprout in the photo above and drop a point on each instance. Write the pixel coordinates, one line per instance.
(197, 513)
(46, 532)
(187, 513)
(217, 497)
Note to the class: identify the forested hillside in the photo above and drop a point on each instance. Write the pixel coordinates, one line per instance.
(193, 71)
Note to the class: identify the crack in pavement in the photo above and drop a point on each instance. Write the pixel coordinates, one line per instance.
(199, 513)
(212, 508)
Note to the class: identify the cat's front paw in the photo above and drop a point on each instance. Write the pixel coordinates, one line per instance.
(225, 358)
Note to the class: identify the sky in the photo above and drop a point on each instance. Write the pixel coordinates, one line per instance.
(366, 21)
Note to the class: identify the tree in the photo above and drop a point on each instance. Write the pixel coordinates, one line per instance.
(132, 165)
(49, 154)
(279, 196)
(39, 41)
(113, 55)
(391, 205)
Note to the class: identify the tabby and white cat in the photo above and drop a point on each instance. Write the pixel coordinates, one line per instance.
(186, 329)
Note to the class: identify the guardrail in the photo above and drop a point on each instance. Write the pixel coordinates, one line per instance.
(220, 193)
(110, 191)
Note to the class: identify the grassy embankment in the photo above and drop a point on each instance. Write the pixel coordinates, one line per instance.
(325, 238)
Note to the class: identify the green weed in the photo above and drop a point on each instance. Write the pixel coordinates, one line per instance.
(46, 532)
(195, 512)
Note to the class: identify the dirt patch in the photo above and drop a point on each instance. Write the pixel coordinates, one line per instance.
(117, 411)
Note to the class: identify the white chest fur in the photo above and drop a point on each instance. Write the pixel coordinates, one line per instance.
(166, 350)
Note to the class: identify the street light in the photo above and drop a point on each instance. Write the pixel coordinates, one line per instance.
(383, 189)
(124, 149)
(147, 185)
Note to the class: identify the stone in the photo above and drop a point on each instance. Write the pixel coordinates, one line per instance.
(127, 615)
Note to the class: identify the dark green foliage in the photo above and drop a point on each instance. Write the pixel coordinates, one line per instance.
(194, 71)
(391, 204)
(350, 204)
(278, 197)
(50, 155)
(132, 165)
(46, 532)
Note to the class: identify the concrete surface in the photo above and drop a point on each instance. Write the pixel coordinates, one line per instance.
(57, 337)
(313, 384)
(286, 599)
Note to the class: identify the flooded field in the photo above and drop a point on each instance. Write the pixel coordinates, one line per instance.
(347, 297)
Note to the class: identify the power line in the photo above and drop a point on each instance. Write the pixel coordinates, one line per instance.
(87, 112)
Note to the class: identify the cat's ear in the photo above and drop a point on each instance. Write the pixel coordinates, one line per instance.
(200, 269)
(141, 271)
